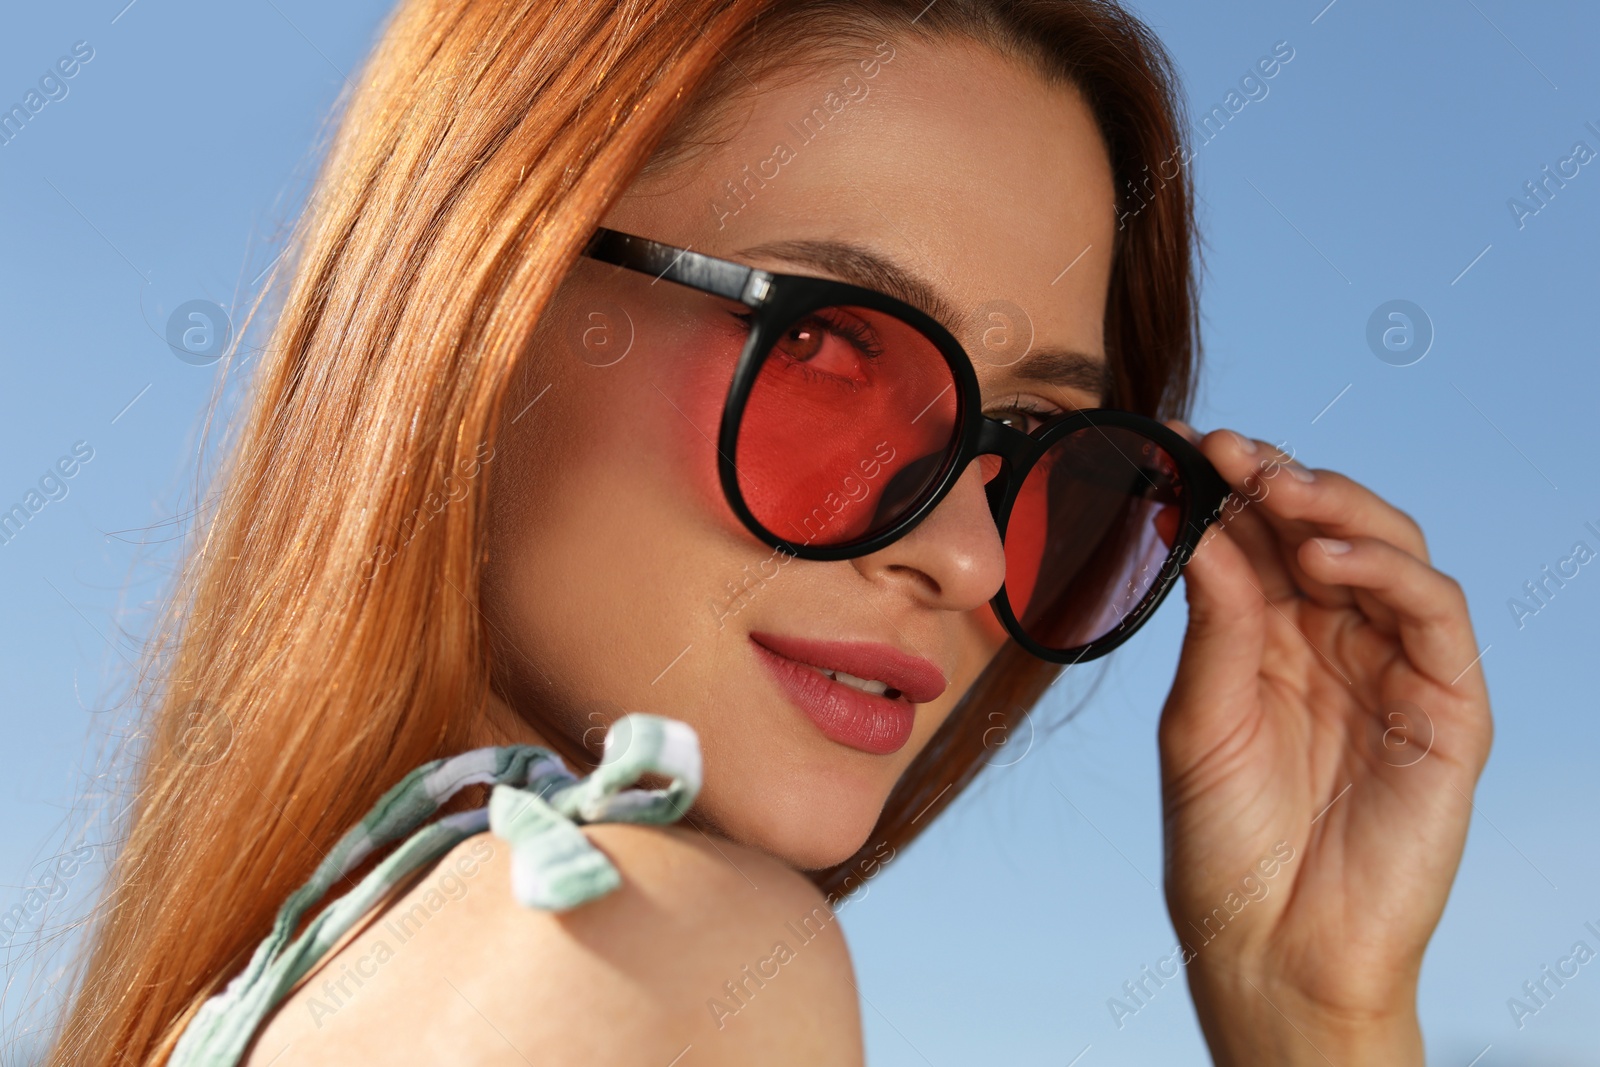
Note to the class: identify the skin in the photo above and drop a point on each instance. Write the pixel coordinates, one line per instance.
(611, 549)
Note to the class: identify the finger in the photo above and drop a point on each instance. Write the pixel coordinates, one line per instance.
(1287, 536)
(1298, 504)
(1270, 549)
(1270, 541)
(1261, 545)
(1429, 608)
(1222, 647)
(1336, 505)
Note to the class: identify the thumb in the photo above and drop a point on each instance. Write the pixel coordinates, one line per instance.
(1222, 647)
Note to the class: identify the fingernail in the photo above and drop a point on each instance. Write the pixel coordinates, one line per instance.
(1247, 446)
(1300, 473)
(1332, 546)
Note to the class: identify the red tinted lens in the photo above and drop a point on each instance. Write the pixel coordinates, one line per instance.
(1090, 534)
(846, 428)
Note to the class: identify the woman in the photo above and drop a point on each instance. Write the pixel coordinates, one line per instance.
(500, 483)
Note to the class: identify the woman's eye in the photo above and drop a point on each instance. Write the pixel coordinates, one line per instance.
(803, 340)
(1023, 419)
(839, 349)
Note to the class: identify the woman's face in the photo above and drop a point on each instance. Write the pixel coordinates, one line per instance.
(618, 577)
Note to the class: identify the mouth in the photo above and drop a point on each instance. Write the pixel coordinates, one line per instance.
(861, 695)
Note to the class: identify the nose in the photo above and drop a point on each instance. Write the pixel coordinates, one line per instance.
(953, 559)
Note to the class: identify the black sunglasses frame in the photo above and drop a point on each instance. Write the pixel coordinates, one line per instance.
(777, 301)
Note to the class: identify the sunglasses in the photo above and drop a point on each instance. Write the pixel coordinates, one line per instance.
(851, 415)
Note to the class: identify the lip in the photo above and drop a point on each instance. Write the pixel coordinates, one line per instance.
(874, 724)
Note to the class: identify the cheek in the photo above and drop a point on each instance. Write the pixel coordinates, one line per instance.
(988, 632)
(681, 416)
(640, 402)
(981, 637)
(597, 565)
(977, 638)
(627, 509)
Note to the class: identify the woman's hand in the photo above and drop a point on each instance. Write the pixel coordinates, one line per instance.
(1318, 754)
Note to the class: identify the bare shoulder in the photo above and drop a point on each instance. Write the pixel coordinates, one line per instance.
(708, 954)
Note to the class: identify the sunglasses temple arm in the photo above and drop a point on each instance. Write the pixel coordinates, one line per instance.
(1211, 494)
(721, 277)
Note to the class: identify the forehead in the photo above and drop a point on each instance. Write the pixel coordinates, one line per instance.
(960, 164)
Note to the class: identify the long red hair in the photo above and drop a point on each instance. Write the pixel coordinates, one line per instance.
(484, 143)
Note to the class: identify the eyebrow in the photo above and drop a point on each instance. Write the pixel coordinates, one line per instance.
(1047, 365)
(1066, 368)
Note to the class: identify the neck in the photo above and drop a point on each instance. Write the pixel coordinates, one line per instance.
(501, 724)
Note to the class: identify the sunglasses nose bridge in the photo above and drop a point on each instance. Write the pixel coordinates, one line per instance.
(995, 438)
(1003, 453)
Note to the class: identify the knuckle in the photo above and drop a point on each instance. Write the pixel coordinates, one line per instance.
(1411, 526)
(1450, 600)
(1217, 443)
(1406, 525)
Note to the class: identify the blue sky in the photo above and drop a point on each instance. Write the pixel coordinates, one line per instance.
(1379, 164)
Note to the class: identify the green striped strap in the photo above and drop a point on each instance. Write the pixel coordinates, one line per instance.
(535, 805)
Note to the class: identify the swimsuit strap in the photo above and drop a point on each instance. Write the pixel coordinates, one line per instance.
(536, 805)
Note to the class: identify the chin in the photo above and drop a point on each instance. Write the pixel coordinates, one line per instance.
(805, 846)
(798, 762)
(811, 813)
